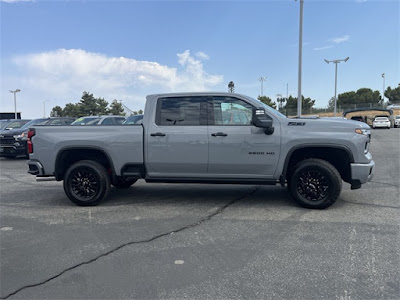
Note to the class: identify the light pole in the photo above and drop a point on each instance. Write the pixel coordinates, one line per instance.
(262, 79)
(15, 101)
(300, 59)
(44, 108)
(383, 89)
(336, 61)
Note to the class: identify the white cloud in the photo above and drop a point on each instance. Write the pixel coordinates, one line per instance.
(202, 55)
(361, 1)
(63, 75)
(323, 48)
(341, 39)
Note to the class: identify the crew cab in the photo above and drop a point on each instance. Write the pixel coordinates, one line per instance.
(206, 138)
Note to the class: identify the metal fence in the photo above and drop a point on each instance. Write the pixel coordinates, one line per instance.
(329, 110)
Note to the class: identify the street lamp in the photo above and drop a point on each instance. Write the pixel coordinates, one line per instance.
(383, 89)
(15, 101)
(336, 61)
(299, 98)
(44, 108)
(262, 79)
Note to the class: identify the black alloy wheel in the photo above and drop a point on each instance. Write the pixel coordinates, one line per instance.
(315, 183)
(86, 183)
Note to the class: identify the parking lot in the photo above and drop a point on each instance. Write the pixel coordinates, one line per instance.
(202, 241)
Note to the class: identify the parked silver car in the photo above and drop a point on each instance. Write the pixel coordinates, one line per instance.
(99, 120)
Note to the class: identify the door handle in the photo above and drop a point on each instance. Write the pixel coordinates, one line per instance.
(157, 134)
(219, 134)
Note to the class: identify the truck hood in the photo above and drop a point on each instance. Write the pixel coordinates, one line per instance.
(328, 123)
(13, 131)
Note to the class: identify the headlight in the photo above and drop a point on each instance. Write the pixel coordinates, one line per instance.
(366, 132)
(21, 137)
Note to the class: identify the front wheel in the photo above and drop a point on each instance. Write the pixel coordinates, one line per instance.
(86, 183)
(315, 183)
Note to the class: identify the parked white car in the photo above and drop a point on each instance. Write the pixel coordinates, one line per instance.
(397, 121)
(381, 122)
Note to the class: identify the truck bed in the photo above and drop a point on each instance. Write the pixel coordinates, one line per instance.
(124, 143)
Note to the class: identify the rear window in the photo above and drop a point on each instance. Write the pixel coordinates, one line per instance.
(180, 111)
(381, 119)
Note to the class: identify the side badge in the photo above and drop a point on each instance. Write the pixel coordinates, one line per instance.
(296, 123)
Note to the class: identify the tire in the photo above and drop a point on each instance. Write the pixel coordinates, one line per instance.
(315, 183)
(86, 183)
(123, 183)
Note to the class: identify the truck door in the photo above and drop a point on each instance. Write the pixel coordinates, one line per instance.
(177, 141)
(237, 148)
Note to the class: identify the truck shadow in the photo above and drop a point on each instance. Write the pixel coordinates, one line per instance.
(200, 194)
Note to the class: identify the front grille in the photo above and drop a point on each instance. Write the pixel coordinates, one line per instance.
(7, 140)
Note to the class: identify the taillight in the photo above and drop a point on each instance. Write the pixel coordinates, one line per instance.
(31, 133)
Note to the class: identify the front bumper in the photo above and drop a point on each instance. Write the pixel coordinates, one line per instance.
(12, 150)
(362, 173)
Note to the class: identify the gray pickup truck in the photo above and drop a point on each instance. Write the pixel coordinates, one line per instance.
(206, 138)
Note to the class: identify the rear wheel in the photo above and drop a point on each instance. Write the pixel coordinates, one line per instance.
(86, 183)
(315, 183)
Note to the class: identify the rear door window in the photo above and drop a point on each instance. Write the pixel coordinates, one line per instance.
(181, 111)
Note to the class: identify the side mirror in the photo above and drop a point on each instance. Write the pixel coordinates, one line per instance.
(262, 120)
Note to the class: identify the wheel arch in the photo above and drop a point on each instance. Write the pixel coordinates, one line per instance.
(69, 155)
(339, 156)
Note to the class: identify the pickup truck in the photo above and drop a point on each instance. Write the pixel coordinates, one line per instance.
(206, 138)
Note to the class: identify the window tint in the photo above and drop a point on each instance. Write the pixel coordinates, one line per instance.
(54, 122)
(231, 111)
(182, 111)
(108, 121)
(119, 120)
(67, 121)
(16, 124)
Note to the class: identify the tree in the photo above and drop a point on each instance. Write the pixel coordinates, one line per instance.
(57, 111)
(116, 108)
(360, 97)
(331, 102)
(266, 100)
(71, 110)
(281, 100)
(306, 104)
(89, 105)
(393, 94)
(231, 87)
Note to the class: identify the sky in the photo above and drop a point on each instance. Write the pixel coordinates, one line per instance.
(53, 51)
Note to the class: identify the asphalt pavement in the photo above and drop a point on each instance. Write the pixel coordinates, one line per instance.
(188, 241)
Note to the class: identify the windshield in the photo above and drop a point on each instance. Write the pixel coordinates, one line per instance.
(35, 122)
(86, 121)
(397, 117)
(3, 124)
